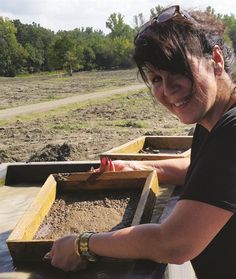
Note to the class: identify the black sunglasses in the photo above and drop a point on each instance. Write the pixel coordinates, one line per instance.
(166, 15)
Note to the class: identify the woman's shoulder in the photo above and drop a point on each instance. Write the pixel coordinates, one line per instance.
(228, 120)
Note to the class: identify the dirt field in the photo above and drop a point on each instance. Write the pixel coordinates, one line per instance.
(38, 88)
(80, 131)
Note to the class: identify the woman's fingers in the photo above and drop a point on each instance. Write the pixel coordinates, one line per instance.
(111, 165)
(63, 255)
(118, 165)
(47, 257)
(106, 164)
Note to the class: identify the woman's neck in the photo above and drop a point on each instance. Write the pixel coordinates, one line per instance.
(226, 97)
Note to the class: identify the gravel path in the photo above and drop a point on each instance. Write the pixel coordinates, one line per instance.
(45, 106)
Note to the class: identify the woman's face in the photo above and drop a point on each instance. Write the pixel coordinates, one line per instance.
(191, 104)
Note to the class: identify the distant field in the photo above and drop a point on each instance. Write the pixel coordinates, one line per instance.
(42, 87)
(80, 131)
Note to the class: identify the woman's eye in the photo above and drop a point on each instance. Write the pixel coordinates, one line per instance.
(156, 79)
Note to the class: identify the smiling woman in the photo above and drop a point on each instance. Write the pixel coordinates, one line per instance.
(187, 66)
(171, 57)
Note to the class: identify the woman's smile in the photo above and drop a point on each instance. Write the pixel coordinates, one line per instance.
(183, 101)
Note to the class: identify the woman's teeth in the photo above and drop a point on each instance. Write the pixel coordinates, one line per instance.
(183, 101)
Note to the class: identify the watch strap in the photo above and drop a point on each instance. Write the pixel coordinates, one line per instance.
(83, 247)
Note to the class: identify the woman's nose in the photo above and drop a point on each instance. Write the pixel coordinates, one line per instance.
(169, 86)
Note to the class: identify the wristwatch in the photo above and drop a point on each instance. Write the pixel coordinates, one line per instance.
(82, 248)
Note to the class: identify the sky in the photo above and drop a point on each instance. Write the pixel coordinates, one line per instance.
(69, 14)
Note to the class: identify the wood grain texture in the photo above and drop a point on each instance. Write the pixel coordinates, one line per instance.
(20, 243)
(132, 149)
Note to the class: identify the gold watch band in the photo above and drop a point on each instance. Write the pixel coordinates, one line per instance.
(83, 247)
(76, 246)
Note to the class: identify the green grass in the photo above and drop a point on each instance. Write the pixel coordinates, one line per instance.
(41, 74)
(66, 127)
(2, 182)
(127, 123)
(62, 110)
(38, 87)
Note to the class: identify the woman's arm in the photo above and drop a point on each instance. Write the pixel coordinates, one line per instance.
(170, 171)
(183, 236)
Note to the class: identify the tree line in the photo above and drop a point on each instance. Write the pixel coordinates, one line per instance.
(30, 48)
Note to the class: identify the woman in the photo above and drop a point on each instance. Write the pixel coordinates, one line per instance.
(187, 67)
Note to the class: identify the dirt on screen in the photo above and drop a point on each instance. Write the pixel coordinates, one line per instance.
(96, 211)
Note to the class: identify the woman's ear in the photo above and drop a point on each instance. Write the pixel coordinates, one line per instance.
(217, 60)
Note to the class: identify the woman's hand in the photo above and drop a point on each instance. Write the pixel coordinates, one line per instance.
(63, 255)
(120, 165)
(107, 165)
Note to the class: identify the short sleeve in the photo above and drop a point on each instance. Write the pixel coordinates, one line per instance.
(211, 177)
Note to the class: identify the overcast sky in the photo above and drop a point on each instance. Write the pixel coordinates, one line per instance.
(69, 14)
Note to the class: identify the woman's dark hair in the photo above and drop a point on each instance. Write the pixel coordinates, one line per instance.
(166, 45)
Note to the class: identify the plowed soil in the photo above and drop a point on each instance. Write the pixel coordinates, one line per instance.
(83, 130)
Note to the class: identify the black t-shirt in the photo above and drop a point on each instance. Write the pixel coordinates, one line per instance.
(211, 179)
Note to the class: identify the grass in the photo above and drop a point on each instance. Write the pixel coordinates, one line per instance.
(2, 182)
(128, 123)
(132, 102)
(40, 74)
(62, 110)
(28, 89)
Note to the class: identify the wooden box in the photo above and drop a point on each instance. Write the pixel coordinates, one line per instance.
(152, 148)
(21, 243)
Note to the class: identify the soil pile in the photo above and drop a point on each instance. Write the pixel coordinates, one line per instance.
(53, 152)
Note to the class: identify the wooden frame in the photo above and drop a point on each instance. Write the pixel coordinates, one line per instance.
(20, 242)
(131, 149)
(37, 172)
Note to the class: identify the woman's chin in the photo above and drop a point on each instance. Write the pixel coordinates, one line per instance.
(187, 120)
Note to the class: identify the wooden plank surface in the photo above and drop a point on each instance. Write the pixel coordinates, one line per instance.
(107, 180)
(30, 221)
(169, 142)
(143, 156)
(147, 200)
(38, 172)
(132, 149)
(132, 146)
(20, 239)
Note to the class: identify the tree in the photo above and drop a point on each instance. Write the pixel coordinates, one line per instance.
(65, 54)
(35, 58)
(89, 58)
(230, 23)
(105, 54)
(118, 27)
(138, 21)
(12, 54)
(123, 53)
(36, 40)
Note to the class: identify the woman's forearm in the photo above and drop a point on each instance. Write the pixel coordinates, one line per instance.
(138, 242)
(170, 171)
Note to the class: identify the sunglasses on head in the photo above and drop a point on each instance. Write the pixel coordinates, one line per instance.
(166, 15)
